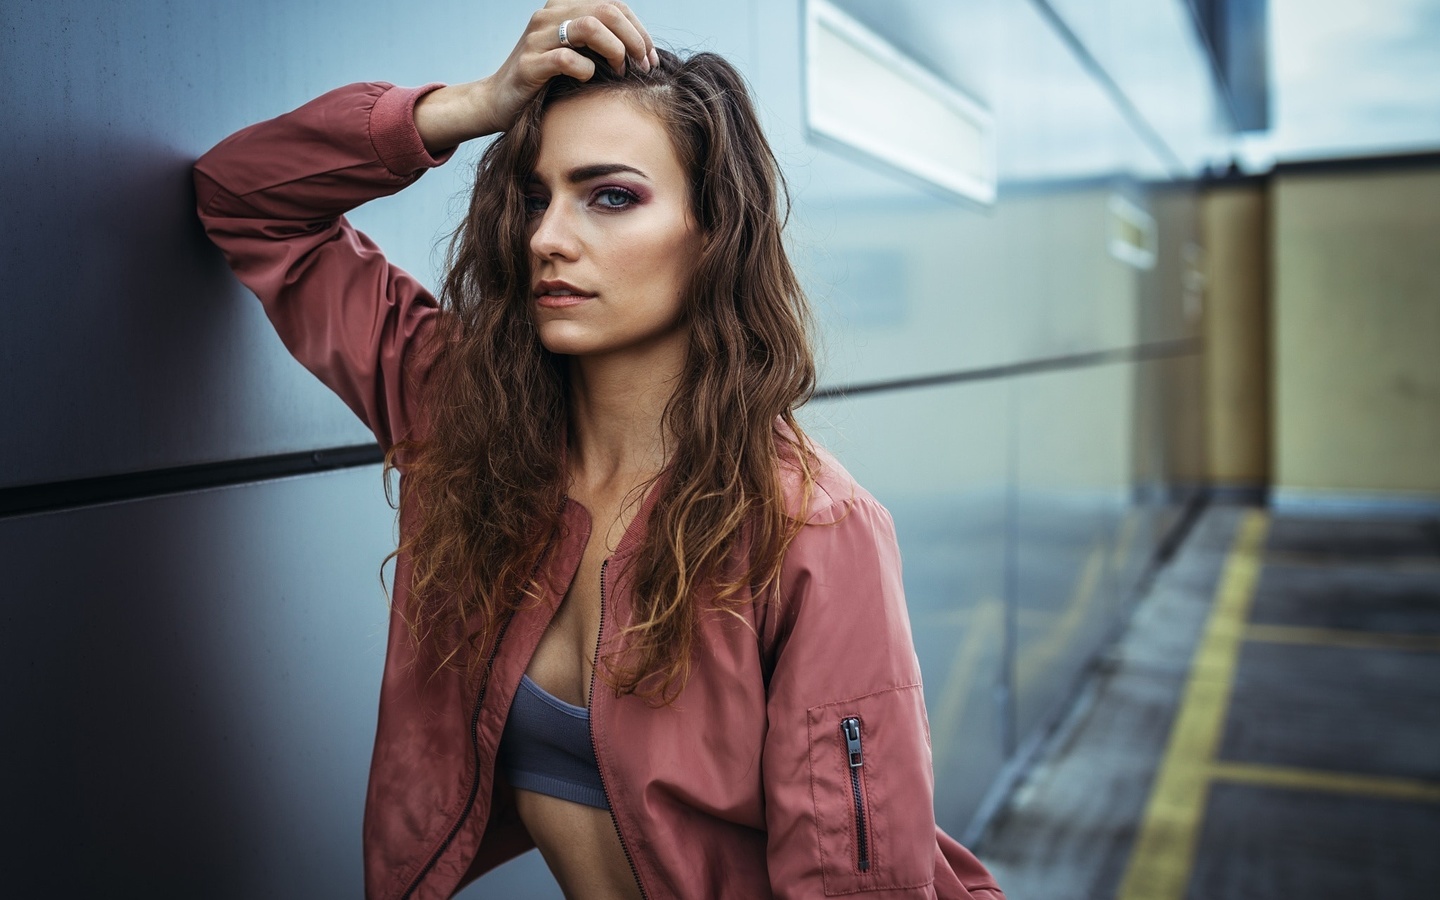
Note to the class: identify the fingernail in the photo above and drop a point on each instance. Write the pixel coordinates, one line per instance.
(654, 57)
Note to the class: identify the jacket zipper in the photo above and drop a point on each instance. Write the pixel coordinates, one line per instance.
(475, 736)
(595, 748)
(850, 731)
(475, 748)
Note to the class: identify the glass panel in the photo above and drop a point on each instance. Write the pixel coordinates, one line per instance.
(1073, 476)
(938, 460)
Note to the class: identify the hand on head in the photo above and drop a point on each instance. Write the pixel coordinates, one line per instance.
(609, 29)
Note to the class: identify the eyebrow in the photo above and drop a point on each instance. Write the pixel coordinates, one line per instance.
(598, 170)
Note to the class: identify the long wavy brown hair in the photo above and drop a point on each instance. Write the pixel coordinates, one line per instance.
(488, 478)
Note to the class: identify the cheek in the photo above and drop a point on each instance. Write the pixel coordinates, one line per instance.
(659, 265)
(683, 253)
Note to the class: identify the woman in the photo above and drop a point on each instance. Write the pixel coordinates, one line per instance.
(638, 619)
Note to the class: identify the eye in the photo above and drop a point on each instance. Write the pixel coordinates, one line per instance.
(534, 205)
(615, 198)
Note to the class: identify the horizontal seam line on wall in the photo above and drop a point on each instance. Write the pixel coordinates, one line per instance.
(1139, 353)
(61, 495)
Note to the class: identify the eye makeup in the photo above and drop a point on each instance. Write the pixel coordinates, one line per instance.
(605, 196)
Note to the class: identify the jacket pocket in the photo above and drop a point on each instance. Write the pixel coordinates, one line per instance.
(871, 781)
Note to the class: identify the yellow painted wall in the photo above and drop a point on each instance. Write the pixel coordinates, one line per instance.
(1234, 224)
(1356, 287)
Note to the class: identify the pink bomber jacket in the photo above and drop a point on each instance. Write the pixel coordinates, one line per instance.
(795, 763)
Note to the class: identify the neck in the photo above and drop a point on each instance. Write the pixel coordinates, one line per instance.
(617, 412)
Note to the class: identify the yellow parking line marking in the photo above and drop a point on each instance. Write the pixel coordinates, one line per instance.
(1420, 565)
(1164, 851)
(1344, 637)
(1259, 775)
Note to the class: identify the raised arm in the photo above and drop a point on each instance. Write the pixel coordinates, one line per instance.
(273, 198)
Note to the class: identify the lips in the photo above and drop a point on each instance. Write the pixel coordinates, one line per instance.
(555, 293)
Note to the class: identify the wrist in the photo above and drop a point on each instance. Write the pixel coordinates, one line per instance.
(452, 115)
(480, 98)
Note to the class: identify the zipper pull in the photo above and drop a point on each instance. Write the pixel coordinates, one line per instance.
(851, 727)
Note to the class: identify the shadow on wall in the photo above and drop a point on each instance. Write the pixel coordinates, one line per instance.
(138, 347)
(118, 714)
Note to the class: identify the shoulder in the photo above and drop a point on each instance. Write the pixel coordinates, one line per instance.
(840, 526)
(841, 573)
(821, 492)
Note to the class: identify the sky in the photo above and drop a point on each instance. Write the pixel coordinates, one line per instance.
(1351, 78)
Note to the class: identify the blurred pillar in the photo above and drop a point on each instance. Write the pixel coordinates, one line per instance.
(1235, 229)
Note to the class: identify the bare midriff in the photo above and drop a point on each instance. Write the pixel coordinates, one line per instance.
(580, 845)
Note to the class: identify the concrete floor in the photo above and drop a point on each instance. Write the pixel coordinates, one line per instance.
(1269, 727)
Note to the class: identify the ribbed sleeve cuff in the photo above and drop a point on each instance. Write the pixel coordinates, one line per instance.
(393, 134)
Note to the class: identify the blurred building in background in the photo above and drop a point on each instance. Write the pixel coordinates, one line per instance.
(1078, 265)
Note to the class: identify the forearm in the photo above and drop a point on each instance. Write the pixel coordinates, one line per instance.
(448, 117)
(316, 162)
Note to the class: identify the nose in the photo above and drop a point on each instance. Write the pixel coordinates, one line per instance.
(554, 235)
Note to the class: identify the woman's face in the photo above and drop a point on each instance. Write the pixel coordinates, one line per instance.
(612, 238)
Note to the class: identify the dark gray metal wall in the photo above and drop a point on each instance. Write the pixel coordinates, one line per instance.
(192, 677)
(190, 691)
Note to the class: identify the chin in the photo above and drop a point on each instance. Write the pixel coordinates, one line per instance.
(567, 339)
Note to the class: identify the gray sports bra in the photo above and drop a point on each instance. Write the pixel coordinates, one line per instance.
(546, 747)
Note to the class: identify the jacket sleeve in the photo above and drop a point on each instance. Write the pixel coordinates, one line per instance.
(273, 196)
(849, 786)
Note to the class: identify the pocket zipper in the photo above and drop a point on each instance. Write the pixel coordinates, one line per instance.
(850, 730)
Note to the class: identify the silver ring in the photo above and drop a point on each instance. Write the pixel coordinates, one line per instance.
(565, 34)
